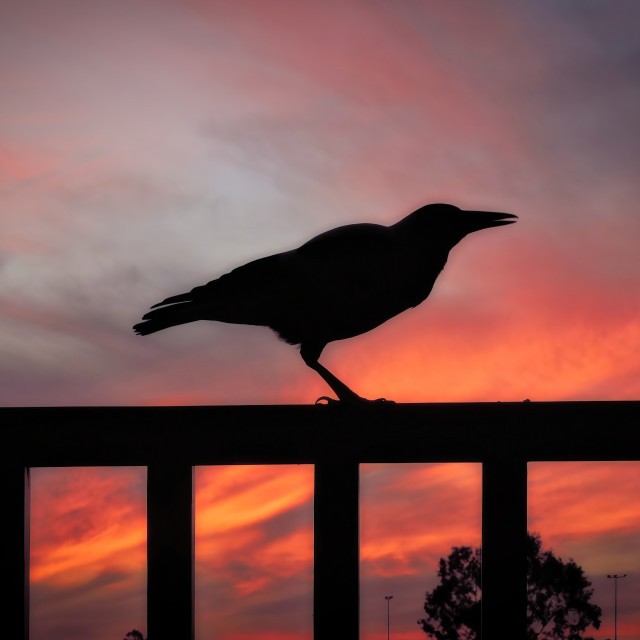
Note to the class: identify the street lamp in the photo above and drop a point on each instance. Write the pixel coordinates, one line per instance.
(388, 599)
(615, 577)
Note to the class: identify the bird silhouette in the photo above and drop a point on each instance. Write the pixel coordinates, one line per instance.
(337, 285)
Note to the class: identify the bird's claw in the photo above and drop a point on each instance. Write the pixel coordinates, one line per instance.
(380, 402)
(354, 402)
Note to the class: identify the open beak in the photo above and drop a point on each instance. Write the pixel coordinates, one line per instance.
(476, 220)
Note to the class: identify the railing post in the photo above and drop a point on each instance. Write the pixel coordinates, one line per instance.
(170, 548)
(504, 529)
(14, 545)
(336, 542)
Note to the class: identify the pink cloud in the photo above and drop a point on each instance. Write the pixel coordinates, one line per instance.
(399, 538)
(577, 499)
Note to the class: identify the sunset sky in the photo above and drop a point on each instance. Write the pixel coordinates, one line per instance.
(148, 146)
(254, 544)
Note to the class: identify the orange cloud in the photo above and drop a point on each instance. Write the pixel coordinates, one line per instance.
(78, 563)
(88, 551)
(254, 549)
(84, 522)
(231, 497)
(572, 500)
(412, 514)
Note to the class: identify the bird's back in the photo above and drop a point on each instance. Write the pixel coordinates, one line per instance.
(337, 285)
(350, 280)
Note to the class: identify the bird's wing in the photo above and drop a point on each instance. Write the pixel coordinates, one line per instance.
(346, 263)
(330, 257)
(350, 280)
(343, 255)
(241, 296)
(339, 284)
(335, 275)
(238, 297)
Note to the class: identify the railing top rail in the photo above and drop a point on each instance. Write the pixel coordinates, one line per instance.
(111, 436)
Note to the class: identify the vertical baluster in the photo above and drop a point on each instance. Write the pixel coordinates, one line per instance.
(336, 571)
(14, 550)
(504, 529)
(170, 524)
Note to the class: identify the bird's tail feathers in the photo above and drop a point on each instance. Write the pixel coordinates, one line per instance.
(182, 297)
(166, 317)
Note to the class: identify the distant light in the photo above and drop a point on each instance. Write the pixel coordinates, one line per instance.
(388, 598)
(615, 576)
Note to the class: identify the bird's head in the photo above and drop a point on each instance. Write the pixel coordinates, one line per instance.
(447, 223)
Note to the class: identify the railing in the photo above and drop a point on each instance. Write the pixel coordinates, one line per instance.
(170, 441)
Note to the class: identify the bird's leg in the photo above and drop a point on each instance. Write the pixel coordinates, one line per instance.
(340, 388)
(310, 354)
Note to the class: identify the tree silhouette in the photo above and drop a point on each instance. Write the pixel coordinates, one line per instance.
(134, 635)
(558, 597)
(453, 607)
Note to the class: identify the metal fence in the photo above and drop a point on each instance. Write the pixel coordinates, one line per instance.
(170, 441)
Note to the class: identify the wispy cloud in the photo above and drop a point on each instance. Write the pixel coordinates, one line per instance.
(254, 549)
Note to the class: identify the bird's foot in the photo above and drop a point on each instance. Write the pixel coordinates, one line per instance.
(353, 401)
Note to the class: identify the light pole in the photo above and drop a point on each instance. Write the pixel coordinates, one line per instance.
(615, 577)
(388, 599)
